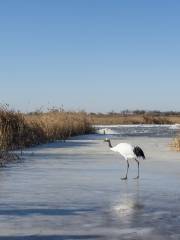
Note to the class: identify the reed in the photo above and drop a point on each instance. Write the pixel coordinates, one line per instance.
(53, 126)
(130, 119)
(18, 130)
(11, 127)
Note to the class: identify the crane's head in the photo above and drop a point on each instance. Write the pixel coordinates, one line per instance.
(106, 140)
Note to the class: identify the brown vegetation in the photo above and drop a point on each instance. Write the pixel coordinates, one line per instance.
(132, 119)
(18, 130)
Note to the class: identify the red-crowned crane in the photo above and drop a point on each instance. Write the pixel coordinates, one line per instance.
(128, 152)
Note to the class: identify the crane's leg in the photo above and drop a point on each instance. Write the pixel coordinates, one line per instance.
(138, 169)
(125, 178)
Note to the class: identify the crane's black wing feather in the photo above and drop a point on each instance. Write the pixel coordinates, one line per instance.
(139, 152)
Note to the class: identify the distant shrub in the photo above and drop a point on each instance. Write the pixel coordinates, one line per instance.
(150, 119)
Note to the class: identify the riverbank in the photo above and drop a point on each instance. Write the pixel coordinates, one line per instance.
(19, 130)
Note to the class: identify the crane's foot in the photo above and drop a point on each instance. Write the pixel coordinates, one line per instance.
(124, 178)
(136, 177)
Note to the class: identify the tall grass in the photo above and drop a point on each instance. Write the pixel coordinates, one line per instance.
(18, 130)
(11, 127)
(51, 126)
(129, 119)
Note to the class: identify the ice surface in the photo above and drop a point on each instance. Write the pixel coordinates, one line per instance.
(148, 130)
(73, 190)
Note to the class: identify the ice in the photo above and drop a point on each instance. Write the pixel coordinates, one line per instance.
(73, 190)
(148, 130)
(175, 126)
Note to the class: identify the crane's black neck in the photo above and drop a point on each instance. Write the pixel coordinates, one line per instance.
(109, 142)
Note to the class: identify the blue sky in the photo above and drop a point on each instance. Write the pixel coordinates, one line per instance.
(95, 55)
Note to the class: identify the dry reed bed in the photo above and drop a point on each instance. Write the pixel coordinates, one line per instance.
(18, 130)
(131, 119)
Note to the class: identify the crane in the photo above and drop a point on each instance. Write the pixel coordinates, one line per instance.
(128, 152)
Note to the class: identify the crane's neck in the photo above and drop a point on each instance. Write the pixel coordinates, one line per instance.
(110, 145)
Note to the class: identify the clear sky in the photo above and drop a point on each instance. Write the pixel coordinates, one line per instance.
(96, 55)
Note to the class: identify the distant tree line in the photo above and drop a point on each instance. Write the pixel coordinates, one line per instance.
(138, 112)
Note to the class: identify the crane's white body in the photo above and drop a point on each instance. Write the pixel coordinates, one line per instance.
(125, 149)
(128, 152)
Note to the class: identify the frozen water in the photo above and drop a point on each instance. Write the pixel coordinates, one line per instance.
(150, 130)
(73, 190)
